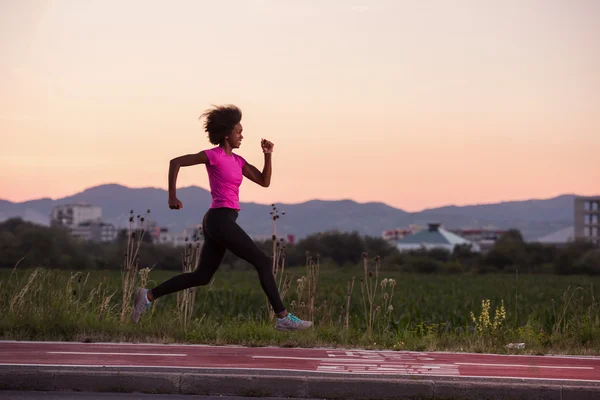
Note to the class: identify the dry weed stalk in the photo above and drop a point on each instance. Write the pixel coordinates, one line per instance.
(103, 308)
(284, 280)
(561, 320)
(349, 295)
(18, 300)
(370, 287)
(312, 272)
(380, 306)
(306, 289)
(13, 272)
(326, 311)
(73, 295)
(129, 271)
(186, 299)
(387, 288)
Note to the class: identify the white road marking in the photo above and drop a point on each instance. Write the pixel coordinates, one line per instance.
(397, 362)
(391, 369)
(523, 366)
(349, 365)
(326, 359)
(98, 353)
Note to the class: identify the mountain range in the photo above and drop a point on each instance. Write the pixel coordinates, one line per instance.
(534, 218)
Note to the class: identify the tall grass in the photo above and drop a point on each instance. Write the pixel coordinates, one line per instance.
(415, 312)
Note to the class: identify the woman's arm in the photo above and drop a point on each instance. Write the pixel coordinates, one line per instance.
(251, 172)
(174, 165)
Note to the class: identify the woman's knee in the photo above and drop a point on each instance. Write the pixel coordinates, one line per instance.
(199, 279)
(262, 261)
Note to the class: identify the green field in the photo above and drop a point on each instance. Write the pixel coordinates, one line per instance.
(549, 313)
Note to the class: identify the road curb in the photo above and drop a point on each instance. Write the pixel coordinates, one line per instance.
(292, 386)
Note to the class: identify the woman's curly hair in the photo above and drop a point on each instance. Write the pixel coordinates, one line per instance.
(220, 121)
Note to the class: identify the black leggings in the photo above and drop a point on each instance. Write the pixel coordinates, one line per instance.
(221, 232)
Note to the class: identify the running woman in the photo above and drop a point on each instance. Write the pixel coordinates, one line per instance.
(221, 231)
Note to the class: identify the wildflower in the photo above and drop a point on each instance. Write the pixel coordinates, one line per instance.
(500, 316)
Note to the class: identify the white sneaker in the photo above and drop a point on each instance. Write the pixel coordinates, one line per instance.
(140, 304)
(291, 323)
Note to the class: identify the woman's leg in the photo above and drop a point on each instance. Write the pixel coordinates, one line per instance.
(211, 255)
(222, 226)
(228, 233)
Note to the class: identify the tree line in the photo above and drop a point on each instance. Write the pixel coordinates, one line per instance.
(31, 245)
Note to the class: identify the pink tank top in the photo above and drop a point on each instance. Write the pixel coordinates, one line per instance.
(225, 177)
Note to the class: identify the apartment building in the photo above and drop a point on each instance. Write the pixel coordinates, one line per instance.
(71, 215)
(587, 218)
(83, 221)
(95, 231)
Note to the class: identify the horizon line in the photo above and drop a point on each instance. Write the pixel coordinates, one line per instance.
(306, 201)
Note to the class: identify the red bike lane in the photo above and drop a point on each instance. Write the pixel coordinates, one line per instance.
(326, 361)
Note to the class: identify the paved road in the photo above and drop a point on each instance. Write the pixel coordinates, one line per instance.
(16, 395)
(273, 373)
(293, 360)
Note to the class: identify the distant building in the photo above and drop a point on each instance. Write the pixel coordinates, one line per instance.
(435, 236)
(83, 221)
(559, 238)
(396, 234)
(95, 231)
(70, 215)
(485, 238)
(163, 236)
(587, 218)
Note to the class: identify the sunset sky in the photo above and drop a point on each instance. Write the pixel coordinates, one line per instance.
(415, 104)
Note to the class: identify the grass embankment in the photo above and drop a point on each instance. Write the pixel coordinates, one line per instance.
(361, 307)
